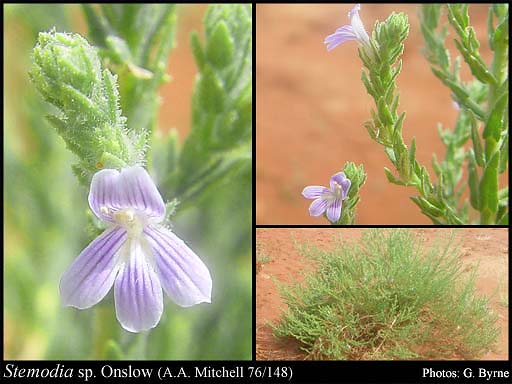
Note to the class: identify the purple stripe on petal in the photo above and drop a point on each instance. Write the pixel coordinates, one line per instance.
(344, 35)
(333, 211)
(342, 180)
(184, 277)
(92, 274)
(340, 40)
(314, 191)
(349, 35)
(103, 192)
(354, 31)
(345, 186)
(339, 37)
(318, 207)
(131, 188)
(137, 290)
(141, 192)
(331, 46)
(346, 29)
(338, 178)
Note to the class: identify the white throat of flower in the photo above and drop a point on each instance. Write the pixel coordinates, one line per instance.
(337, 189)
(128, 219)
(133, 222)
(333, 194)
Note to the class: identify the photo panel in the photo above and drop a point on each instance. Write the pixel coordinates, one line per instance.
(370, 114)
(385, 294)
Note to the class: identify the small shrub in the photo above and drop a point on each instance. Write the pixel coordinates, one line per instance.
(387, 297)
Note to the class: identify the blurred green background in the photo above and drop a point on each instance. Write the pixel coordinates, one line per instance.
(46, 226)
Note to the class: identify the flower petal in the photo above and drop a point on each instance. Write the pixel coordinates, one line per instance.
(104, 193)
(183, 275)
(314, 191)
(318, 207)
(112, 190)
(339, 37)
(140, 192)
(340, 179)
(345, 186)
(333, 211)
(346, 30)
(137, 290)
(357, 25)
(92, 274)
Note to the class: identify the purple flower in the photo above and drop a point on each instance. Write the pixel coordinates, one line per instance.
(328, 200)
(355, 31)
(136, 254)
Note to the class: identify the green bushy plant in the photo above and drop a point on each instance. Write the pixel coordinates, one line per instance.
(388, 296)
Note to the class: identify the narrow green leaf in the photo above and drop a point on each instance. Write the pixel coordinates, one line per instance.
(502, 214)
(119, 50)
(473, 181)
(197, 50)
(476, 64)
(500, 36)
(440, 188)
(394, 105)
(504, 154)
(494, 124)
(96, 25)
(210, 91)
(426, 185)
(398, 124)
(503, 195)
(504, 219)
(477, 143)
(435, 165)
(373, 131)
(412, 152)
(430, 209)
(391, 178)
(384, 113)
(220, 46)
(489, 190)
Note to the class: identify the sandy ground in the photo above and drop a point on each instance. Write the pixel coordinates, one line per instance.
(487, 247)
(311, 106)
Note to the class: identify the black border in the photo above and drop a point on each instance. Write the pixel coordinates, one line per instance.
(257, 371)
(302, 371)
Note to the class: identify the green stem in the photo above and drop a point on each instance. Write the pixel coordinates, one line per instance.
(498, 70)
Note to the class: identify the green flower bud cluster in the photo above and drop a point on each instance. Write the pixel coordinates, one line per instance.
(67, 72)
